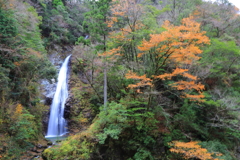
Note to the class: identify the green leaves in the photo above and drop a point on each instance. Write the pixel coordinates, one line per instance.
(217, 147)
(4, 79)
(8, 26)
(82, 40)
(114, 121)
(221, 60)
(57, 3)
(62, 24)
(95, 21)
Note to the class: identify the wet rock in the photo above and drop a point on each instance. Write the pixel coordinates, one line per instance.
(39, 146)
(69, 100)
(49, 143)
(48, 101)
(58, 53)
(36, 150)
(58, 141)
(48, 91)
(30, 155)
(45, 120)
(67, 112)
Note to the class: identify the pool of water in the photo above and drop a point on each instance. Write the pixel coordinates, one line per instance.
(54, 140)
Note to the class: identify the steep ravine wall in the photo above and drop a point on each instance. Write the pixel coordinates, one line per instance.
(78, 111)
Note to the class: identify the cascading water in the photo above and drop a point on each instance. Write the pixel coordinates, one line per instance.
(57, 125)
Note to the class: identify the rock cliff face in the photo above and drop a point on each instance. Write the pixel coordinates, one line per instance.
(77, 109)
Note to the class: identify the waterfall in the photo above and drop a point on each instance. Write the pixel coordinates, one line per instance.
(57, 125)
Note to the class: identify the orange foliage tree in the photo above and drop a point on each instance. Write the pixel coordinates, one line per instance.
(192, 150)
(178, 46)
(111, 54)
(144, 81)
(130, 11)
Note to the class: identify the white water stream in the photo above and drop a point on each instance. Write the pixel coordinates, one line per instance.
(57, 125)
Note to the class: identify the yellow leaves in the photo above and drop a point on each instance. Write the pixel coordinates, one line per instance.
(19, 63)
(125, 34)
(19, 109)
(154, 41)
(140, 54)
(177, 71)
(195, 97)
(192, 144)
(192, 150)
(189, 76)
(179, 45)
(190, 30)
(196, 13)
(123, 9)
(189, 85)
(111, 53)
(144, 81)
(17, 113)
(184, 40)
(111, 21)
(185, 85)
(182, 85)
(16, 63)
(119, 7)
(179, 85)
(119, 13)
(117, 37)
(114, 19)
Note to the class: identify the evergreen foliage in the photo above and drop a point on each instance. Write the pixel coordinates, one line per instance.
(23, 62)
(172, 68)
(8, 28)
(95, 21)
(147, 81)
(57, 3)
(62, 24)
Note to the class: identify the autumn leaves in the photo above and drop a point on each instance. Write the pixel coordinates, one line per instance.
(176, 46)
(192, 150)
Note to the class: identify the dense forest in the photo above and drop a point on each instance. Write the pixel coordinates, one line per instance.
(149, 79)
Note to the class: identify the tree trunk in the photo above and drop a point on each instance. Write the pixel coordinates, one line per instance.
(105, 87)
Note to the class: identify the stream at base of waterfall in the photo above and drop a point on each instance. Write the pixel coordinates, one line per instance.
(57, 125)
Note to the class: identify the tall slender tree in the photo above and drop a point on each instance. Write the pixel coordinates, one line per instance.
(95, 21)
(96, 26)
